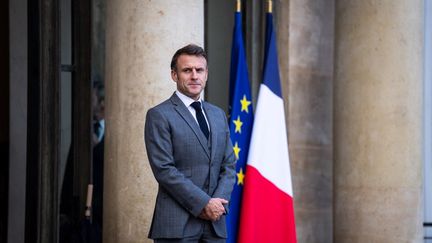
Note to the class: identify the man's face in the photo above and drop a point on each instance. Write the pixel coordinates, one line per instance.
(190, 75)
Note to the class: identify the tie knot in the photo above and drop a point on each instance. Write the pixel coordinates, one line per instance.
(196, 105)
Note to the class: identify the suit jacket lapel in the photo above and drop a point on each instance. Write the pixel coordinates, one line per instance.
(187, 116)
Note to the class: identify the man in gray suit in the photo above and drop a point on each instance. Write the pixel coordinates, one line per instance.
(191, 155)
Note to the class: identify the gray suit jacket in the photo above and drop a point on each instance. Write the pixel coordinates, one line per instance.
(189, 169)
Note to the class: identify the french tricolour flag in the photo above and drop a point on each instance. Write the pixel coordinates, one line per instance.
(267, 213)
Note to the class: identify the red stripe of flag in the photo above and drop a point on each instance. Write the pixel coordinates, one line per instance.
(267, 212)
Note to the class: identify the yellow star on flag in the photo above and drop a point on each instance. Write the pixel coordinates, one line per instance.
(240, 177)
(238, 125)
(245, 104)
(236, 150)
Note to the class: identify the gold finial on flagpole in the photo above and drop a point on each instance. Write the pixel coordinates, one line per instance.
(270, 6)
(238, 6)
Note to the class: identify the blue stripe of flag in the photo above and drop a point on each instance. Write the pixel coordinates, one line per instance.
(271, 65)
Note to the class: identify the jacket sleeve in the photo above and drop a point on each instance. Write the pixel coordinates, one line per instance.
(160, 154)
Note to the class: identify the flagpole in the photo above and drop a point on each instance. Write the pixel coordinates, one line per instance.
(270, 6)
(238, 6)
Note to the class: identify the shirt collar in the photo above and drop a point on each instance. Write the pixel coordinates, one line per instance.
(102, 123)
(186, 99)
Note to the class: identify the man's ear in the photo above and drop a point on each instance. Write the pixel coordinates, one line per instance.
(174, 75)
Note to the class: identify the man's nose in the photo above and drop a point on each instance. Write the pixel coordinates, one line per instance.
(194, 73)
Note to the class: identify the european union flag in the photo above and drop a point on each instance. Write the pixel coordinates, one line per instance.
(241, 119)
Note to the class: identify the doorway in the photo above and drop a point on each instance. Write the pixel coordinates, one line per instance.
(64, 65)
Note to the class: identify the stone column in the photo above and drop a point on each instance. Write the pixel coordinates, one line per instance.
(141, 38)
(306, 39)
(378, 121)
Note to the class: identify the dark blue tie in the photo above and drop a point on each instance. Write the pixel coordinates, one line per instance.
(200, 117)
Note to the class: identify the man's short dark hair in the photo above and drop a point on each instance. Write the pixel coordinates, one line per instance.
(190, 49)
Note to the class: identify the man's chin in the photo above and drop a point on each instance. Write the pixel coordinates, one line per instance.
(194, 88)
